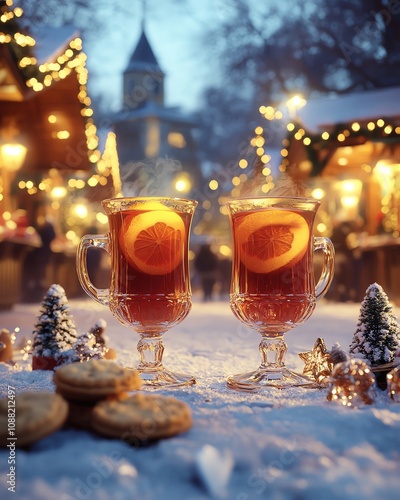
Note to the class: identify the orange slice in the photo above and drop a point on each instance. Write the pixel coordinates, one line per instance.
(272, 239)
(153, 241)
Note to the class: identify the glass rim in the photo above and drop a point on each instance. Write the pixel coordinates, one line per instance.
(249, 199)
(125, 199)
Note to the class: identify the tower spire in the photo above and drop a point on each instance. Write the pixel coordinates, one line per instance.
(143, 14)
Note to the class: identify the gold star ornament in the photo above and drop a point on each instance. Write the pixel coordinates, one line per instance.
(318, 363)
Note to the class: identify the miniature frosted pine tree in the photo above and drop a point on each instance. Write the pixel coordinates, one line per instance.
(377, 336)
(55, 332)
(87, 347)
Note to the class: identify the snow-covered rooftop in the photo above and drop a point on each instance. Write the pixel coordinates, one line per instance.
(50, 41)
(368, 105)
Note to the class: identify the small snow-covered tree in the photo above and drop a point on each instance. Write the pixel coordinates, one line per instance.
(87, 347)
(377, 336)
(55, 332)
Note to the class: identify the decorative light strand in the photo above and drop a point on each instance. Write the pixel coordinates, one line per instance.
(46, 74)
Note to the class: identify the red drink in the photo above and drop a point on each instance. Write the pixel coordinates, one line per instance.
(273, 281)
(272, 288)
(150, 288)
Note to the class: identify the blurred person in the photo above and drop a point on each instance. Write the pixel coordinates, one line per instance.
(37, 260)
(206, 265)
(343, 287)
(224, 276)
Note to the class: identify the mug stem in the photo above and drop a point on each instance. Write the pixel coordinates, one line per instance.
(151, 368)
(151, 350)
(272, 350)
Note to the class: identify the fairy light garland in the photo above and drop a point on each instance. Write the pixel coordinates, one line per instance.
(108, 165)
(46, 74)
(240, 181)
(381, 128)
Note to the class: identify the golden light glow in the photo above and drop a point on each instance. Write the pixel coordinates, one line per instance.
(213, 185)
(350, 190)
(12, 156)
(243, 163)
(176, 140)
(383, 169)
(265, 158)
(260, 141)
(225, 250)
(351, 185)
(102, 218)
(318, 193)
(266, 171)
(62, 134)
(297, 101)
(349, 201)
(294, 104)
(183, 183)
(236, 181)
(58, 192)
(80, 210)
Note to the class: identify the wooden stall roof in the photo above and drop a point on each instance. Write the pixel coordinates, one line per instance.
(45, 100)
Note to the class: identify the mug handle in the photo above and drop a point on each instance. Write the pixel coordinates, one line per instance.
(102, 295)
(328, 268)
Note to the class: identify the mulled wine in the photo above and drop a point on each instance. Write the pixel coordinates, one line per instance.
(150, 289)
(272, 287)
(150, 284)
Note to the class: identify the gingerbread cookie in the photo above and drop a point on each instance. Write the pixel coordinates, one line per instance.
(37, 415)
(95, 380)
(80, 412)
(142, 417)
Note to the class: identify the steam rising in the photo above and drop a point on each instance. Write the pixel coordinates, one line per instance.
(150, 178)
(288, 186)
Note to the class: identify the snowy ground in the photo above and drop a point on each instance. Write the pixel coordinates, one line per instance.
(285, 444)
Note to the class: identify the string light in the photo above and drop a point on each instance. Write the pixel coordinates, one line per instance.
(49, 72)
(44, 76)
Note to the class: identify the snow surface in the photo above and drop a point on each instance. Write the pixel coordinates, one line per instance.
(289, 444)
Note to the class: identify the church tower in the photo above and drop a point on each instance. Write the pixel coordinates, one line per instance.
(156, 144)
(143, 79)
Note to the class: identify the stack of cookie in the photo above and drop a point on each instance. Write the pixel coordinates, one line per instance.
(97, 393)
(83, 385)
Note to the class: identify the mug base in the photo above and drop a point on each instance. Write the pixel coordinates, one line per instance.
(163, 379)
(264, 378)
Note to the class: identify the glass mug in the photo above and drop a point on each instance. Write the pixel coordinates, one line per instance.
(150, 285)
(272, 286)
